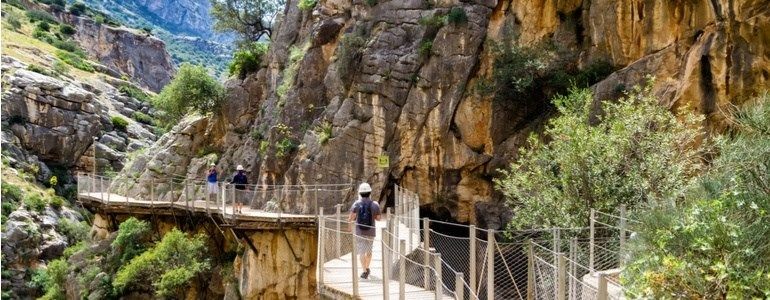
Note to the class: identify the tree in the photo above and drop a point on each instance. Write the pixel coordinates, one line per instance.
(247, 60)
(77, 8)
(715, 245)
(193, 89)
(251, 19)
(637, 154)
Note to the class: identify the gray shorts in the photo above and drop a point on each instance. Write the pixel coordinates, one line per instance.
(364, 244)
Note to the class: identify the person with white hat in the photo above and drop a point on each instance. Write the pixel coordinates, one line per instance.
(240, 181)
(365, 211)
(211, 181)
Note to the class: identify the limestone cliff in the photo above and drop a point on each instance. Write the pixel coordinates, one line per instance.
(363, 71)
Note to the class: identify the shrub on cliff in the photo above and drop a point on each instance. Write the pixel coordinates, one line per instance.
(307, 4)
(637, 153)
(119, 123)
(716, 244)
(248, 59)
(168, 267)
(132, 236)
(192, 90)
(77, 8)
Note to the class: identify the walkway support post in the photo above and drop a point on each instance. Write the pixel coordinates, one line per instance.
(401, 269)
(152, 193)
(622, 234)
(339, 232)
(572, 268)
(602, 289)
(385, 265)
(354, 264)
(561, 277)
(472, 259)
(530, 270)
(491, 264)
(439, 286)
(459, 286)
(426, 255)
(591, 242)
(321, 247)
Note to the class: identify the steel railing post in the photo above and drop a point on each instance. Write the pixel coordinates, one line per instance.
(622, 234)
(472, 259)
(401, 269)
(602, 289)
(439, 285)
(530, 270)
(459, 286)
(385, 265)
(321, 258)
(426, 247)
(491, 264)
(354, 265)
(572, 268)
(339, 231)
(561, 276)
(592, 232)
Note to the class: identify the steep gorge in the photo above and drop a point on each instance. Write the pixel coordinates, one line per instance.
(361, 69)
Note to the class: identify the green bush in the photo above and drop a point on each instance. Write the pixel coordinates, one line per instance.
(132, 235)
(436, 21)
(193, 89)
(426, 48)
(457, 16)
(60, 67)
(40, 16)
(39, 69)
(517, 69)
(51, 280)
(74, 231)
(56, 202)
(11, 192)
(68, 45)
(143, 118)
(119, 123)
(99, 19)
(77, 8)
(34, 201)
(284, 147)
(69, 251)
(634, 156)
(133, 92)
(371, 3)
(716, 243)
(248, 60)
(349, 55)
(290, 72)
(74, 60)
(43, 26)
(14, 20)
(307, 4)
(169, 266)
(66, 29)
(324, 132)
(54, 2)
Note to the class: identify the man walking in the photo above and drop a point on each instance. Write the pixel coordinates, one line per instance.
(365, 211)
(240, 180)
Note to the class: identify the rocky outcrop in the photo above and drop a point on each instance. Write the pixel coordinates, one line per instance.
(29, 239)
(392, 83)
(189, 17)
(283, 267)
(142, 57)
(53, 119)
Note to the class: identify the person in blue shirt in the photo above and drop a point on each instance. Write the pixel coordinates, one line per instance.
(211, 181)
(240, 181)
(363, 215)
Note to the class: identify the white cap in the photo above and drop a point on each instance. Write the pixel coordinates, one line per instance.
(364, 188)
(239, 168)
(213, 164)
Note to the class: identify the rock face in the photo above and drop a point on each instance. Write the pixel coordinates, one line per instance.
(362, 72)
(282, 268)
(52, 118)
(187, 16)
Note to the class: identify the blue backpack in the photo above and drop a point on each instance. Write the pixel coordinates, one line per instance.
(364, 217)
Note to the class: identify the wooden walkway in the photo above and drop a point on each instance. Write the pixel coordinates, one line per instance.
(338, 281)
(121, 204)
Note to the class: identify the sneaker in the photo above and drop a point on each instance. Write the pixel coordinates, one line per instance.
(365, 275)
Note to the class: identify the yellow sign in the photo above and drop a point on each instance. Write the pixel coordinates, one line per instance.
(383, 161)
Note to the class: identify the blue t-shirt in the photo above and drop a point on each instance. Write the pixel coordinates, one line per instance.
(212, 176)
